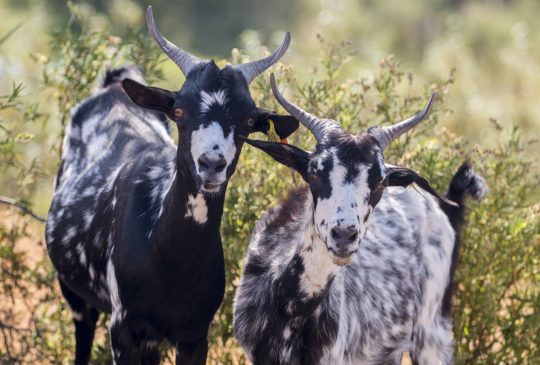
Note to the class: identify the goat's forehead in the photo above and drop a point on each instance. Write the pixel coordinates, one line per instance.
(217, 99)
(349, 174)
(209, 78)
(352, 168)
(347, 158)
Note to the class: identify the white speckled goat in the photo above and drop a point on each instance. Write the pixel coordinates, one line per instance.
(355, 268)
(133, 227)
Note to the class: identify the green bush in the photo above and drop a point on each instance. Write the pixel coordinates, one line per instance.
(496, 318)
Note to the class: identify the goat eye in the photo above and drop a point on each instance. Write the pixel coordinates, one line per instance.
(178, 112)
(251, 122)
(313, 178)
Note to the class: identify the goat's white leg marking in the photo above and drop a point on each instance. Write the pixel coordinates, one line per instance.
(118, 314)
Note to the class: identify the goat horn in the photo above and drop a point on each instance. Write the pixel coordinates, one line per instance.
(385, 135)
(183, 59)
(253, 69)
(317, 126)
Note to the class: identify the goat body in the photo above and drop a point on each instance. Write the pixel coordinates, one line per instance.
(125, 231)
(356, 268)
(294, 306)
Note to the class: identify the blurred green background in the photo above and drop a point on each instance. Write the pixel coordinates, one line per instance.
(362, 62)
(493, 44)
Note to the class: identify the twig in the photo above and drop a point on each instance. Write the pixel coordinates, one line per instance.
(12, 202)
(13, 328)
(10, 33)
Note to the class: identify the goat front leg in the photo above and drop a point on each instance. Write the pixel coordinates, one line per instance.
(124, 349)
(191, 353)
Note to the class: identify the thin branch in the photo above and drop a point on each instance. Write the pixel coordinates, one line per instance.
(12, 202)
(10, 33)
(13, 328)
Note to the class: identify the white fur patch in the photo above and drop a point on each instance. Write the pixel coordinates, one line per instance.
(82, 254)
(346, 206)
(78, 316)
(286, 333)
(318, 265)
(91, 272)
(68, 236)
(113, 288)
(210, 141)
(196, 208)
(210, 98)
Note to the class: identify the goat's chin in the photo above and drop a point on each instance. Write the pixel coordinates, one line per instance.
(212, 189)
(341, 260)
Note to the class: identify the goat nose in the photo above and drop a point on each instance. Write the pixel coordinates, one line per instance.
(211, 165)
(344, 235)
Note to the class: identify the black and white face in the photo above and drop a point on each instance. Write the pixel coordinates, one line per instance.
(347, 178)
(346, 174)
(344, 177)
(212, 111)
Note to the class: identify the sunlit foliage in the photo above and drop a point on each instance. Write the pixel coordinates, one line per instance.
(496, 318)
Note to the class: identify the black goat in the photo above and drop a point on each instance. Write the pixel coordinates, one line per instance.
(133, 228)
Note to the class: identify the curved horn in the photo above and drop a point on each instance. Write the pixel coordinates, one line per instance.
(183, 59)
(385, 135)
(317, 126)
(253, 69)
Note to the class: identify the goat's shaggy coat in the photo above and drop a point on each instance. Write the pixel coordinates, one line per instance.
(133, 228)
(294, 306)
(356, 269)
(125, 234)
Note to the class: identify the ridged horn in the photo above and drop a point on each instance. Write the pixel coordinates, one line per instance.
(251, 70)
(183, 59)
(385, 135)
(317, 126)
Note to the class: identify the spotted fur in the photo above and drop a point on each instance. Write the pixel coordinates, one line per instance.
(306, 297)
(133, 228)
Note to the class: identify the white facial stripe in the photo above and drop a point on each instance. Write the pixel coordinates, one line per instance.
(210, 98)
(211, 141)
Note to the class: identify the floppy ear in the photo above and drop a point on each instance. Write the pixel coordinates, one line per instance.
(401, 176)
(150, 97)
(284, 125)
(290, 156)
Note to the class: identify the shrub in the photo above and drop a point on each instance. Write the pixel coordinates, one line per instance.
(496, 317)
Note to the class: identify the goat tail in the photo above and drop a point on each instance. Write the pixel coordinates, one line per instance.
(113, 75)
(465, 182)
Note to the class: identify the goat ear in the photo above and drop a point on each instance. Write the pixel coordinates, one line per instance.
(284, 125)
(401, 176)
(290, 156)
(150, 97)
